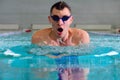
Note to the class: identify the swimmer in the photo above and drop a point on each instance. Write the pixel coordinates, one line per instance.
(60, 34)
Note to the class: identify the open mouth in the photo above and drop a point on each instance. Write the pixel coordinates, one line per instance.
(59, 29)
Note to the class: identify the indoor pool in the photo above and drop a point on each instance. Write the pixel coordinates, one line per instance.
(21, 60)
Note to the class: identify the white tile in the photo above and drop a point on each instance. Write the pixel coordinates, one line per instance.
(9, 27)
(94, 27)
(40, 26)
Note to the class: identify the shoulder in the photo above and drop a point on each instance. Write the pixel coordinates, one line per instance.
(81, 34)
(79, 31)
(40, 34)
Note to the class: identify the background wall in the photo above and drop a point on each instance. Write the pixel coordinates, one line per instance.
(26, 12)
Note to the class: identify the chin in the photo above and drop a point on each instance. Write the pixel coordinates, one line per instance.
(59, 35)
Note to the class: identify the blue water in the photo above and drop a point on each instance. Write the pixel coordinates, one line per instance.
(21, 60)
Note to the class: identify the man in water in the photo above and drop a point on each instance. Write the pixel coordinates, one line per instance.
(60, 34)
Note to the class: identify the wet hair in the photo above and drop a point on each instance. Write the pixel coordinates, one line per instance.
(60, 6)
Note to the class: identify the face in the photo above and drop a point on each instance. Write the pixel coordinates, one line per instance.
(61, 21)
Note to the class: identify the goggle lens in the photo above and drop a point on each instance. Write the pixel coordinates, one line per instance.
(57, 18)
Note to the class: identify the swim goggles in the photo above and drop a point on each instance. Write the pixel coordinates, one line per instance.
(57, 18)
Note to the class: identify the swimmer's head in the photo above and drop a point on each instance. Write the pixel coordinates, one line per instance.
(60, 18)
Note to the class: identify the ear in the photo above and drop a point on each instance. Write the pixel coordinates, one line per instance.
(49, 19)
(71, 19)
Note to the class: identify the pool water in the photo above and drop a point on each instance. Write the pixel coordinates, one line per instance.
(21, 60)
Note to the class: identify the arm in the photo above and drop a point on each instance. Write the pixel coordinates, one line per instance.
(40, 37)
(85, 37)
(36, 38)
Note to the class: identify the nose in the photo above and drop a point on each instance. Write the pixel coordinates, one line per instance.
(60, 22)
